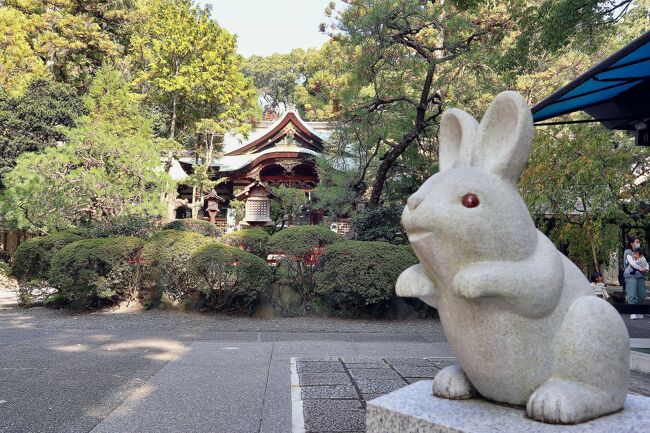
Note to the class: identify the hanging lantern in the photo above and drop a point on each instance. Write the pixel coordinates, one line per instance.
(258, 203)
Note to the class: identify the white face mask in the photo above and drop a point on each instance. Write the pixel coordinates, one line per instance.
(636, 245)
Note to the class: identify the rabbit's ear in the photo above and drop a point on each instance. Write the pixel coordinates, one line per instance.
(456, 138)
(505, 136)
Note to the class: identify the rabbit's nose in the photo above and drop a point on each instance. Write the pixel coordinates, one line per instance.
(414, 201)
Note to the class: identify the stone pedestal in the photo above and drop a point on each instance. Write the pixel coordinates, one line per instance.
(414, 409)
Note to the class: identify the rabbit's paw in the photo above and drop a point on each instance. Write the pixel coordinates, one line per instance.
(469, 283)
(566, 402)
(452, 383)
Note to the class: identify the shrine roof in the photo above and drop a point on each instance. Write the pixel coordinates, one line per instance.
(235, 162)
(287, 135)
(266, 133)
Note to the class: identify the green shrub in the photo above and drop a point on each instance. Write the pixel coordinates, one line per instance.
(96, 272)
(380, 224)
(205, 228)
(299, 250)
(165, 259)
(299, 241)
(5, 270)
(124, 225)
(253, 240)
(33, 256)
(357, 274)
(229, 277)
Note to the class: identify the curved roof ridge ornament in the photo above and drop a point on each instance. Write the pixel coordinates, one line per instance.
(276, 132)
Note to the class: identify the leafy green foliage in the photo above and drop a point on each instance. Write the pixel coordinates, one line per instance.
(380, 224)
(289, 203)
(32, 258)
(310, 80)
(239, 209)
(276, 76)
(355, 274)
(96, 272)
(338, 187)
(72, 39)
(585, 179)
(299, 248)
(186, 65)
(396, 52)
(205, 228)
(123, 225)
(20, 63)
(166, 268)
(109, 167)
(5, 269)
(229, 277)
(253, 240)
(32, 121)
(299, 241)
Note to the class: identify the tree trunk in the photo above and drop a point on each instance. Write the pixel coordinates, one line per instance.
(592, 243)
(195, 212)
(172, 126)
(421, 124)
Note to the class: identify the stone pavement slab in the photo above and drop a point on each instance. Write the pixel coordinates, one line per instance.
(320, 367)
(331, 407)
(329, 416)
(329, 392)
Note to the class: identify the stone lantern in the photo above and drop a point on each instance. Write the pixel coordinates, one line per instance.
(258, 204)
(213, 200)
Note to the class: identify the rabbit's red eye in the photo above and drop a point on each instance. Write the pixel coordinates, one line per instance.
(470, 200)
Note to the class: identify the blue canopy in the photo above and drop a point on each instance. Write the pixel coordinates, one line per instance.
(616, 92)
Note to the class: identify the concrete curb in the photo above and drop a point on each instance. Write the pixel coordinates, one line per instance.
(297, 416)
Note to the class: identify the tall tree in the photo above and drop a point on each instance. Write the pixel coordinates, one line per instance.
(74, 38)
(19, 63)
(187, 65)
(276, 76)
(397, 48)
(589, 181)
(310, 81)
(109, 167)
(33, 121)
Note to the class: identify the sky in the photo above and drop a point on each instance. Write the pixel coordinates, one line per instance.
(265, 27)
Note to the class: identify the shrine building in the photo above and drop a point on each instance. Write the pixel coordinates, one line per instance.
(280, 152)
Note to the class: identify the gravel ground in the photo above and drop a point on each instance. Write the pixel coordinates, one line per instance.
(47, 318)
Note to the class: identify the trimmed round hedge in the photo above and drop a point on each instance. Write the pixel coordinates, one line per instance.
(297, 248)
(165, 258)
(229, 277)
(253, 240)
(95, 272)
(124, 225)
(358, 274)
(299, 241)
(33, 256)
(205, 228)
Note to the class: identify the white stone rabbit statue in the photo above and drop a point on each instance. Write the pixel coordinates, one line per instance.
(520, 317)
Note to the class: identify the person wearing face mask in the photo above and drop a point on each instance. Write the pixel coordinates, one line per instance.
(635, 275)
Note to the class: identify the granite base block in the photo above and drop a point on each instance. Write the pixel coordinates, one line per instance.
(414, 409)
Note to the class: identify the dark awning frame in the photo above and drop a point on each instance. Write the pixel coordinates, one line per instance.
(607, 91)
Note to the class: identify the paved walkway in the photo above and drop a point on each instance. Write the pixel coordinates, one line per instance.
(172, 372)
